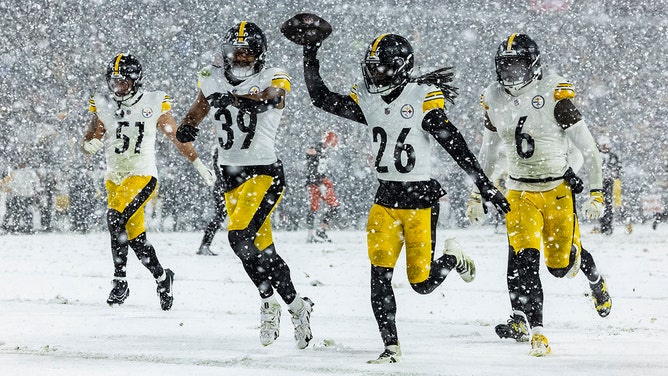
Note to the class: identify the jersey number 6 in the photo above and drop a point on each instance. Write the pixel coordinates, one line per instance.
(524, 143)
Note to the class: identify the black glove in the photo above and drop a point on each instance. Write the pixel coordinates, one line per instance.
(311, 50)
(186, 133)
(220, 100)
(577, 186)
(493, 195)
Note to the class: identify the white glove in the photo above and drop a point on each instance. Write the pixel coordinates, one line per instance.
(93, 145)
(474, 210)
(207, 175)
(593, 208)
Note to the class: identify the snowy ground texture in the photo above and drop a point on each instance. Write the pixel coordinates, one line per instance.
(54, 319)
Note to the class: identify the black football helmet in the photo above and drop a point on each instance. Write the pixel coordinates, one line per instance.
(388, 63)
(244, 47)
(124, 75)
(517, 62)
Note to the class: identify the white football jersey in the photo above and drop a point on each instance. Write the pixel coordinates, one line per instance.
(244, 139)
(536, 145)
(129, 140)
(401, 148)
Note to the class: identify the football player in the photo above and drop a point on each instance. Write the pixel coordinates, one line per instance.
(124, 124)
(220, 214)
(403, 114)
(245, 101)
(320, 187)
(532, 116)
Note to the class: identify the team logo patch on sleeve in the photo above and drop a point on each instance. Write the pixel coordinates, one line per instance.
(147, 112)
(407, 111)
(254, 90)
(538, 102)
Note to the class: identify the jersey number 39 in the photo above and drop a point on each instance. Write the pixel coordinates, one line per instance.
(246, 122)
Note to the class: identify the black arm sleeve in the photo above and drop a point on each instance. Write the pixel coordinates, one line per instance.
(254, 107)
(566, 113)
(448, 136)
(322, 97)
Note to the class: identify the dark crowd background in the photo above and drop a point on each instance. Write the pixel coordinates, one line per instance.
(53, 56)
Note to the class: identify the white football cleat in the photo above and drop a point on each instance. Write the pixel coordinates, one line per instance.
(270, 322)
(465, 265)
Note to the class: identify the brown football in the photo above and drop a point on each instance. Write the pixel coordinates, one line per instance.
(306, 29)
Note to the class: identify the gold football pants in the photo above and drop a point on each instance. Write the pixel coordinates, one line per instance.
(243, 203)
(130, 198)
(389, 229)
(547, 219)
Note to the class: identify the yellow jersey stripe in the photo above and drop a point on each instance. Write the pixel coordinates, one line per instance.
(166, 103)
(431, 104)
(281, 82)
(91, 106)
(565, 93)
(432, 94)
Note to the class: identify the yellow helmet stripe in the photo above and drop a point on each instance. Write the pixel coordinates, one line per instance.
(117, 64)
(374, 48)
(242, 31)
(509, 46)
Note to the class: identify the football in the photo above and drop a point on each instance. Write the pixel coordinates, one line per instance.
(306, 29)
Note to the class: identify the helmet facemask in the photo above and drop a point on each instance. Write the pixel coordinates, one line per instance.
(388, 64)
(517, 65)
(244, 50)
(124, 75)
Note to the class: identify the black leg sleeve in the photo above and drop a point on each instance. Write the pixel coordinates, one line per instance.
(513, 280)
(530, 286)
(279, 274)
(383, 304)
(146, 254)
(220, 215)
(588, 266)
(119, 242)
(251, 258)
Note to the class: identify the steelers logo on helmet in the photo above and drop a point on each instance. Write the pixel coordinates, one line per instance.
(244, 47)
(124, 76)
(517, 63)
(388, 63)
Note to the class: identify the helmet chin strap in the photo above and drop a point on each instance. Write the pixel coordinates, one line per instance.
(121, 101)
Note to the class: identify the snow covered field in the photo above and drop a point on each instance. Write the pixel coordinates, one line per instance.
(54, 319)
